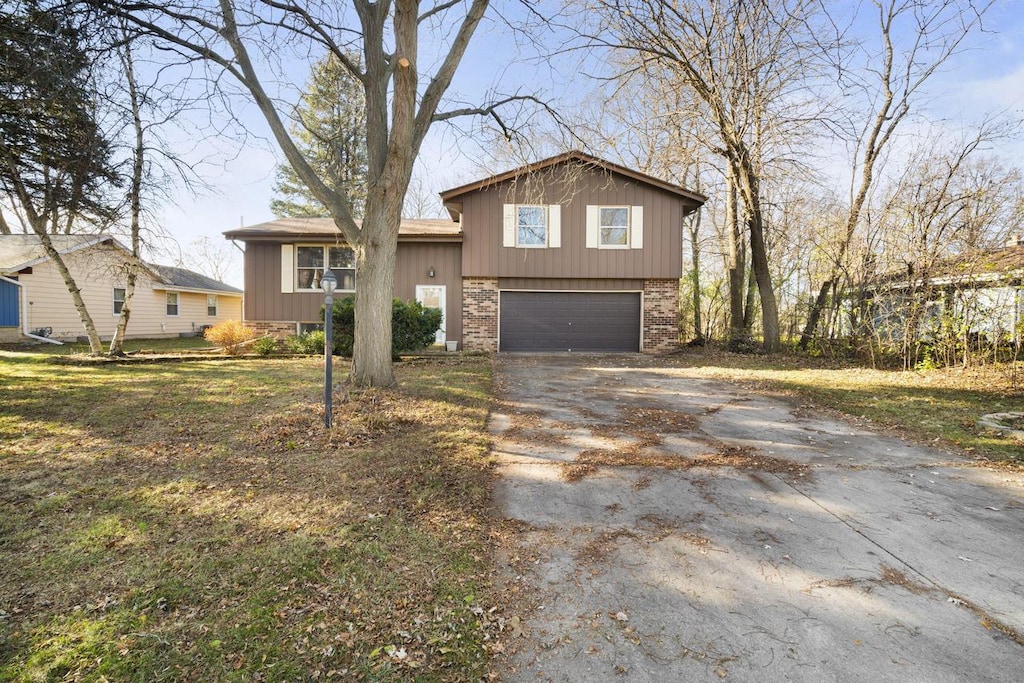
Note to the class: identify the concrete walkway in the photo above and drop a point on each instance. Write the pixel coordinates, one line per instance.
(674, 528)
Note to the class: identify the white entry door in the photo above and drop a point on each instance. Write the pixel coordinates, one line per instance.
(433, 296)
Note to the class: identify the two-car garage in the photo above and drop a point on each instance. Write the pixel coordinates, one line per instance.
(603, 322)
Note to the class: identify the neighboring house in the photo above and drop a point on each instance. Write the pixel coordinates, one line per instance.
(34, 301)
(572, 253)
(979, 294)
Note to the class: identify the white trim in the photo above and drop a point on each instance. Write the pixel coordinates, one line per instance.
(636, 228)
(628, 226)
(547, 226)
(160, 287)
(325, 247)
(440, 338)
(287, 268)
(555, 226)
(593, 226)
(508, 225)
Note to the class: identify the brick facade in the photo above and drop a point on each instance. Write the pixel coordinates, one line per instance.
(274, 329)
(661, 316)
(480, 314)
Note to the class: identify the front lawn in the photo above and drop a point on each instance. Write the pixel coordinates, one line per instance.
(193, 522)
(932, 406)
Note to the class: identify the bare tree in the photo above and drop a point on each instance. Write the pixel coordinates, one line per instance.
(746, 62)
(916, 38)
(403, 91)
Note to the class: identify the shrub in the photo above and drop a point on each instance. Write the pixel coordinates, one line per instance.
(230, 335)
(264, 346)
(413, 327)
(308, 342)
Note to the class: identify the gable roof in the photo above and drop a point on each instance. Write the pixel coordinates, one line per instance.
(579, 157)
(983, 265)
(24, 251)
(18, 252)
(182, 278)
(410, 230)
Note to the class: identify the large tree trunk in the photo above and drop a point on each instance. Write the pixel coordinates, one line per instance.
(737, 261)
(698, 323)
(135, 202)
(375, 267)
(750, 303)
(751, 194)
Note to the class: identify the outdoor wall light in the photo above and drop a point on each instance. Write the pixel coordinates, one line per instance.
(328, 283)
(430, 273)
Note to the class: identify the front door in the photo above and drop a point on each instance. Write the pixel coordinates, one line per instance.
(433, 296)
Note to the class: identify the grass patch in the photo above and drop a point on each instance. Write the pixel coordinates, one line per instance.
(161, 345)
(196, 522)
(936, 406)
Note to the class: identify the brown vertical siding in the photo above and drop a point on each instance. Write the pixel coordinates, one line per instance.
(415, 259)
(573, 187)
(265, 302)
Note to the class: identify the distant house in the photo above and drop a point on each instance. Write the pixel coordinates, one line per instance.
(572, 253)
(981, 293)
(34, 301)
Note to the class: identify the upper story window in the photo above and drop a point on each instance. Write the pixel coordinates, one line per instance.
(615, 227)
(211, 305)
(532, 226)
(118, 300)
(172, 303)
(614, 222)
(310, 262)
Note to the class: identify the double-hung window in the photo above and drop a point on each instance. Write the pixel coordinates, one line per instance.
(615, 227)
(172, 303)
(310, 262)
(118, 300)
(211, 305)
(531, 226)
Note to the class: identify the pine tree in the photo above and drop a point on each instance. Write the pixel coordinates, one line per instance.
(330, 129)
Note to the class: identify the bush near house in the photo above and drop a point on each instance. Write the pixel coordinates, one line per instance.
(230, 335)
(413, 327)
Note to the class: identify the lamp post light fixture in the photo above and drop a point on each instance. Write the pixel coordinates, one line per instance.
(328, 283)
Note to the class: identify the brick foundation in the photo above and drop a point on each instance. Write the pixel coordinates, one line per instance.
(661, 316)
(274, 329)
(480, 314)
(11, 335)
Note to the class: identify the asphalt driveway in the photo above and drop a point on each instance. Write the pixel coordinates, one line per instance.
(673, 528)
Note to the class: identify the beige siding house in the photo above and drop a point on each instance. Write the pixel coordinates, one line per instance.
(168, 301)
(572, 253)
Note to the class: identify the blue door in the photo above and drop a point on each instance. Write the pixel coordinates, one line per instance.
(8, 304)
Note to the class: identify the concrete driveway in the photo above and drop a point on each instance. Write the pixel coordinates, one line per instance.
(673, 528)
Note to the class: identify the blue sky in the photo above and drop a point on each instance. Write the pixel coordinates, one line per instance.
(987, 77)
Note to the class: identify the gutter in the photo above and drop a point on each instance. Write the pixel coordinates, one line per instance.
(24, 318)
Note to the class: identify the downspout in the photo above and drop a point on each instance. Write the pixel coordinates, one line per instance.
(235, 244)
(24, 318)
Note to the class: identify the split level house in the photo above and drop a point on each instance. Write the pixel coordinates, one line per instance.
(572, 253)
(168, 301)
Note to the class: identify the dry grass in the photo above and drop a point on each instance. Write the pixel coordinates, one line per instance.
(195, 522)
(940, 407)
(747, 459)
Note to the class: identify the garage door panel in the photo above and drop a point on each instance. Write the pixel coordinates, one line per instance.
(570, 321)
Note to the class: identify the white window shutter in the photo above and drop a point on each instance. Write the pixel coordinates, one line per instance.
(636, 228)
(287, 268)
(593, 226)
(555, 226)
(509, 226)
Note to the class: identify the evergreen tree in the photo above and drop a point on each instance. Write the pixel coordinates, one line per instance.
(329, 128)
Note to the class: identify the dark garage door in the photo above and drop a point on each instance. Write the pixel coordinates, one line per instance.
(570, 321)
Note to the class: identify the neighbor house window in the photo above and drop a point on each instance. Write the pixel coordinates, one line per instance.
(614, 226)
(118, 300)
(211, 305)
(172, 303)
(531, 226)
(310, 266)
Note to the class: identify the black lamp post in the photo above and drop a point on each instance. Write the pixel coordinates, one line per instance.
(328, 283)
